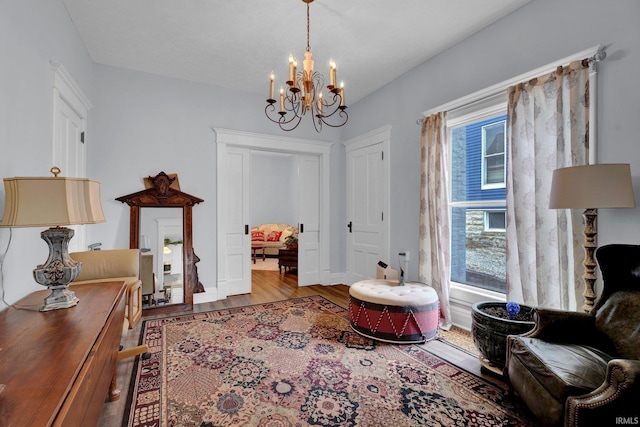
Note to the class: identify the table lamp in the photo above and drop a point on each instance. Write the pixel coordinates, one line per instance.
(591, 187)
(55, 202)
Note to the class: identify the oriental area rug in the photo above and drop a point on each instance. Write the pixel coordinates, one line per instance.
(297, 363)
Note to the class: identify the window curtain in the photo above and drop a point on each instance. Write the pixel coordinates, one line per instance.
(548, 128)
(434, 235)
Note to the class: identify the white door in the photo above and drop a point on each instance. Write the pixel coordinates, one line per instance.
(69, 155)
(309, 220)
(366, 222)
(237, 211)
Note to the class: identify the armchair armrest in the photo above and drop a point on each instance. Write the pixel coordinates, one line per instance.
(616, 398)
(134, 303)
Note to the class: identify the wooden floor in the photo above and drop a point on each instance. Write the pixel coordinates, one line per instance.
(269, 286)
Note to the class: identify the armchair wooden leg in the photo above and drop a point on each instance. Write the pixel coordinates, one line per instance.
(114, 393)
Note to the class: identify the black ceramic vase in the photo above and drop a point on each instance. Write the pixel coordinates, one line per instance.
(490, 331)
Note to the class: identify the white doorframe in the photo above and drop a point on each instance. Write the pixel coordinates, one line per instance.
(67, 91)
(263, 142)
(68, 152)
(380, 135)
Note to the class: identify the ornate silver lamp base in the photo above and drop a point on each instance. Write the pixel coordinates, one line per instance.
(59, 270)
(60, 298)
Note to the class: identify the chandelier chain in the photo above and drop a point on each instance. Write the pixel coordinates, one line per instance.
(308, 30)
(304, 94)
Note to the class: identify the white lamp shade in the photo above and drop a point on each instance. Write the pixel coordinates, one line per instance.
(592, 187)
(49, 201)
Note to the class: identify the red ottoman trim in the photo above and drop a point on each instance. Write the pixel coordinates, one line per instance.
(397, 324)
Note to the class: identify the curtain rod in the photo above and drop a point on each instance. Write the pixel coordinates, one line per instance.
(595, 55)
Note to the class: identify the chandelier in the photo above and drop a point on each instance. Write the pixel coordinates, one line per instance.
(304, 95)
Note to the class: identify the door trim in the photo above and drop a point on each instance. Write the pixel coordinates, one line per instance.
(380, 135)
(270, 143)
(67, 94)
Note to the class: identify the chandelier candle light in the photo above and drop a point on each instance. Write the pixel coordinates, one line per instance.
(304, 94)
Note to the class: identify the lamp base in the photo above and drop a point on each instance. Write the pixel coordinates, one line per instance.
(59, 270)
(60, 298)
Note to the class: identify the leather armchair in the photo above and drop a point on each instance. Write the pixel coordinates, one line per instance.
(583, 369)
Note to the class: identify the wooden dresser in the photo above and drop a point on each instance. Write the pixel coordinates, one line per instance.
(56, 367)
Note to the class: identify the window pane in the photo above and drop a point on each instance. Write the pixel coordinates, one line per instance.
(478, 257)
(478, 245)
(495, 169)
(494, 138)
(495, 220)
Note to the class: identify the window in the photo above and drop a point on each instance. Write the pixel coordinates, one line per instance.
(494, 157)
(495, 220)
(478, 198)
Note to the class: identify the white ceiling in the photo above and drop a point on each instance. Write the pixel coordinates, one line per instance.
(237, 43)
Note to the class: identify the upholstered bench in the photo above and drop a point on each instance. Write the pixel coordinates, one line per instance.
(382, 310)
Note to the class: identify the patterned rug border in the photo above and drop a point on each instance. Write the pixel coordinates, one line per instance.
(493, 392)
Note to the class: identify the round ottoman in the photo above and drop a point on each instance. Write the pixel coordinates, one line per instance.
(382, 310)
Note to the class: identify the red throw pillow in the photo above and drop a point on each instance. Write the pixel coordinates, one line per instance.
(274, 236)
(257, 236)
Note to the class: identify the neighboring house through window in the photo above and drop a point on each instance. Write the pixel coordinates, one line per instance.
(494, 171)
(478, 198)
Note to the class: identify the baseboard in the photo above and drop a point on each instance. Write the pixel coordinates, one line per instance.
(209, 295)
(337, 278)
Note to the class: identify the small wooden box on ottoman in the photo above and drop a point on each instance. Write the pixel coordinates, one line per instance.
(382, 310)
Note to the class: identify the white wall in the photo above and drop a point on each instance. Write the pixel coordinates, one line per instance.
(274, 180)
(32, 33)
(537, 34)
(141, 124)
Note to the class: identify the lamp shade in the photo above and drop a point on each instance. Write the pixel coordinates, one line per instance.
(51, 201)
(592, 187)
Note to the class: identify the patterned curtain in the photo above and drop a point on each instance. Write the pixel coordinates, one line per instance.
(435, 257)
(548, 129)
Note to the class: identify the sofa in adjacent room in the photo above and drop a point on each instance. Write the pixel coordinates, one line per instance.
(273, 236)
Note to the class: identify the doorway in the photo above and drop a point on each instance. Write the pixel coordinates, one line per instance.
(234, 174)
(273, 209)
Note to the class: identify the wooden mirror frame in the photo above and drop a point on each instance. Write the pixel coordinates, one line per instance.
(161, 194)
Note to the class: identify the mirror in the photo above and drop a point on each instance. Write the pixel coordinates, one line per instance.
(161, 239)
(162, 230)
